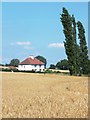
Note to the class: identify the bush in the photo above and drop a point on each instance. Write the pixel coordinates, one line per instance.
(9, 70)
(48, 71)
(58, 72)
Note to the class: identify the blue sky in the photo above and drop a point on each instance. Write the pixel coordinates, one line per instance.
(35, 29)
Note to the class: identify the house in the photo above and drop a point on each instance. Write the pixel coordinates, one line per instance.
(31, 64)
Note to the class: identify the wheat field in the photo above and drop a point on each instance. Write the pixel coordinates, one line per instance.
(30, 95)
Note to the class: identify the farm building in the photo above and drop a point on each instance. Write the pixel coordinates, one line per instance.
(31, 64)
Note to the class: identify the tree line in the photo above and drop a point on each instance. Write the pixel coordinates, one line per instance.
(62, 65)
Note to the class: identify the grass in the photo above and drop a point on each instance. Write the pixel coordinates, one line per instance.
(44, 96)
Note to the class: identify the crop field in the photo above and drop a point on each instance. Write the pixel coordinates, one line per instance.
(30, 95)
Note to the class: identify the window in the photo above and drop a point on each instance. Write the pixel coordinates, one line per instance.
(39, 65)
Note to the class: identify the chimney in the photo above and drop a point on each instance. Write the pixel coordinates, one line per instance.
(31, 56)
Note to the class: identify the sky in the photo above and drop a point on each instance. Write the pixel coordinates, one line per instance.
(34, 28)
(45, 0)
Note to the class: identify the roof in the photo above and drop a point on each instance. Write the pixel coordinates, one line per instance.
(30, 61)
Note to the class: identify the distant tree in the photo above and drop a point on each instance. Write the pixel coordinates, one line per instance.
(14, 62)
(63, 65)
(6, 64)
(42, 59)
(83, 48)
(1, 64)
(52, 66)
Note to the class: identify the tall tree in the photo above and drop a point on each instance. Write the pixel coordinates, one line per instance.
(76, 47)
(83, 48)
(66, 20)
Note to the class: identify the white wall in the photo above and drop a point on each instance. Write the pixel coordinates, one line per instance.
(31, 67)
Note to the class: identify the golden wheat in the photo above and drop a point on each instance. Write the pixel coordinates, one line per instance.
(27, 95)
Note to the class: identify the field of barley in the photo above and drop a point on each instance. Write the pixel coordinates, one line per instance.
(30, 95)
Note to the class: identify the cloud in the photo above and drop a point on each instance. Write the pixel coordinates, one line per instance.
(23, 43)
(56, 45)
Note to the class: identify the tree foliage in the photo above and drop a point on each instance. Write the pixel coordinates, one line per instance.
(52, 66)
(77, 54)
(42, 59)
(66, 20)
(14, 62)
(63, 65)
(76, 47)
(83, 48)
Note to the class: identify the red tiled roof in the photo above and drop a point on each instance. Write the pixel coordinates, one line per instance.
(30, 61)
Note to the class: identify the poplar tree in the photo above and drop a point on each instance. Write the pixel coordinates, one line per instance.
(66, 20)
(76, 47)
(83, 48)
